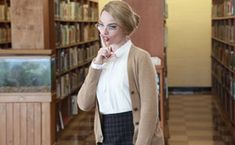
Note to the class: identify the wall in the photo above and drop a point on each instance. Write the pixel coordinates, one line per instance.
(150, 32)
(189, 43)
(102, 3)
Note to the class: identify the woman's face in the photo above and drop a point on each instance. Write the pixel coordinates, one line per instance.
(110, 30)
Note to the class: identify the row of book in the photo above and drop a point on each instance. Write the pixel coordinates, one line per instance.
(224, 53)
(221, 8)
(224, 76)
(223, 62)
(225, 99)
(69, 83)
(70, 58)
(74, 10)
(5, 34)
(63, 115)
(67, 34)
(223, 82)
(224, 30)
(4, 12)
(221, 127)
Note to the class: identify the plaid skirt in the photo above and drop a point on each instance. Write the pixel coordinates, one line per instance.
(118, 129)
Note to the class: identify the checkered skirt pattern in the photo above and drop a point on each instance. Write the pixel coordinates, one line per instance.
(118, 129)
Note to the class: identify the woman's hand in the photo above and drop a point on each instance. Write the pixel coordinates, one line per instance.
(104, 53)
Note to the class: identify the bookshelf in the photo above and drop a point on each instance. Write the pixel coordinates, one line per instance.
(5, 24)
(76, 42)
(223, 60)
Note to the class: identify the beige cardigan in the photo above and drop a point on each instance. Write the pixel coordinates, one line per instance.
(141, 74)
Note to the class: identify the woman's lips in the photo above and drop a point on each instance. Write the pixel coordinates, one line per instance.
(106, 39)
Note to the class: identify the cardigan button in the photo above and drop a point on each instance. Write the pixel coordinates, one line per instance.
(132, 92)
(135, 109)
(136, 123)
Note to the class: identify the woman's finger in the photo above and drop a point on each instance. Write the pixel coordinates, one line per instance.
(102, 42)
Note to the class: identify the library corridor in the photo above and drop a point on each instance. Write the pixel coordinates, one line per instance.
(48, 46)
(192, 121)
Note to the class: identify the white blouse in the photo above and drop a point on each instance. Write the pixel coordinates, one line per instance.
(113, 88)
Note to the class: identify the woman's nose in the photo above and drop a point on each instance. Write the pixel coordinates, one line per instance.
(104, 31)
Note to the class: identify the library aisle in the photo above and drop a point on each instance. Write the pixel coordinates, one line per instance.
(191, 122)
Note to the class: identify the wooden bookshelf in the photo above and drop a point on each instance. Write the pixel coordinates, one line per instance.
(223, 60)
(77, 43)
(5, 24)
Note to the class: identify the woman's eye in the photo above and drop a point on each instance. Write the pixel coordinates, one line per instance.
(100, 25)
(113, 27)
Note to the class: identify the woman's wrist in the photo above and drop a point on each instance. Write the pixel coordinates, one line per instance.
(98, 60)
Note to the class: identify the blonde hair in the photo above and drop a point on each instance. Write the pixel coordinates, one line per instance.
(124, 14)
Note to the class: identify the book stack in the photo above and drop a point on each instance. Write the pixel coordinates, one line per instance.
(68, 10)
(70, 82)
(67, 34)
(223, 53)
(76, 10)
(68, 59)
(5, 34)
(5, 27)
(222, 8)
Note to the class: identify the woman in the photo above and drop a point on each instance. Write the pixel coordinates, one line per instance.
(120, 82)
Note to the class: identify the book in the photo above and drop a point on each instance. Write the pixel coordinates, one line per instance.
(74, 105)
(61, 120)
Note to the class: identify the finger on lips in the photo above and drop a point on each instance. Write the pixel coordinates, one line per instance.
(103, 44)
(107, 49)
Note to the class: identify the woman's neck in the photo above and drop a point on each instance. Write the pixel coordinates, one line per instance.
(117, 46)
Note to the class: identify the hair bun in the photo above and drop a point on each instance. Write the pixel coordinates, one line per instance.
(137, 19)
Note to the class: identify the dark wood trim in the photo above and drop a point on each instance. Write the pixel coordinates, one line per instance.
(192, 90)
(48, 18)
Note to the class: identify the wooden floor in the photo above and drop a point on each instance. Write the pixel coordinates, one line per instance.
(79, 131)
(193, 120)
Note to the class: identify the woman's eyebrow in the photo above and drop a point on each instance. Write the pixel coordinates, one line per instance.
(114, 23)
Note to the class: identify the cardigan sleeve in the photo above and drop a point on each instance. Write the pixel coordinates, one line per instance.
(148, 100)
(86, 97)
